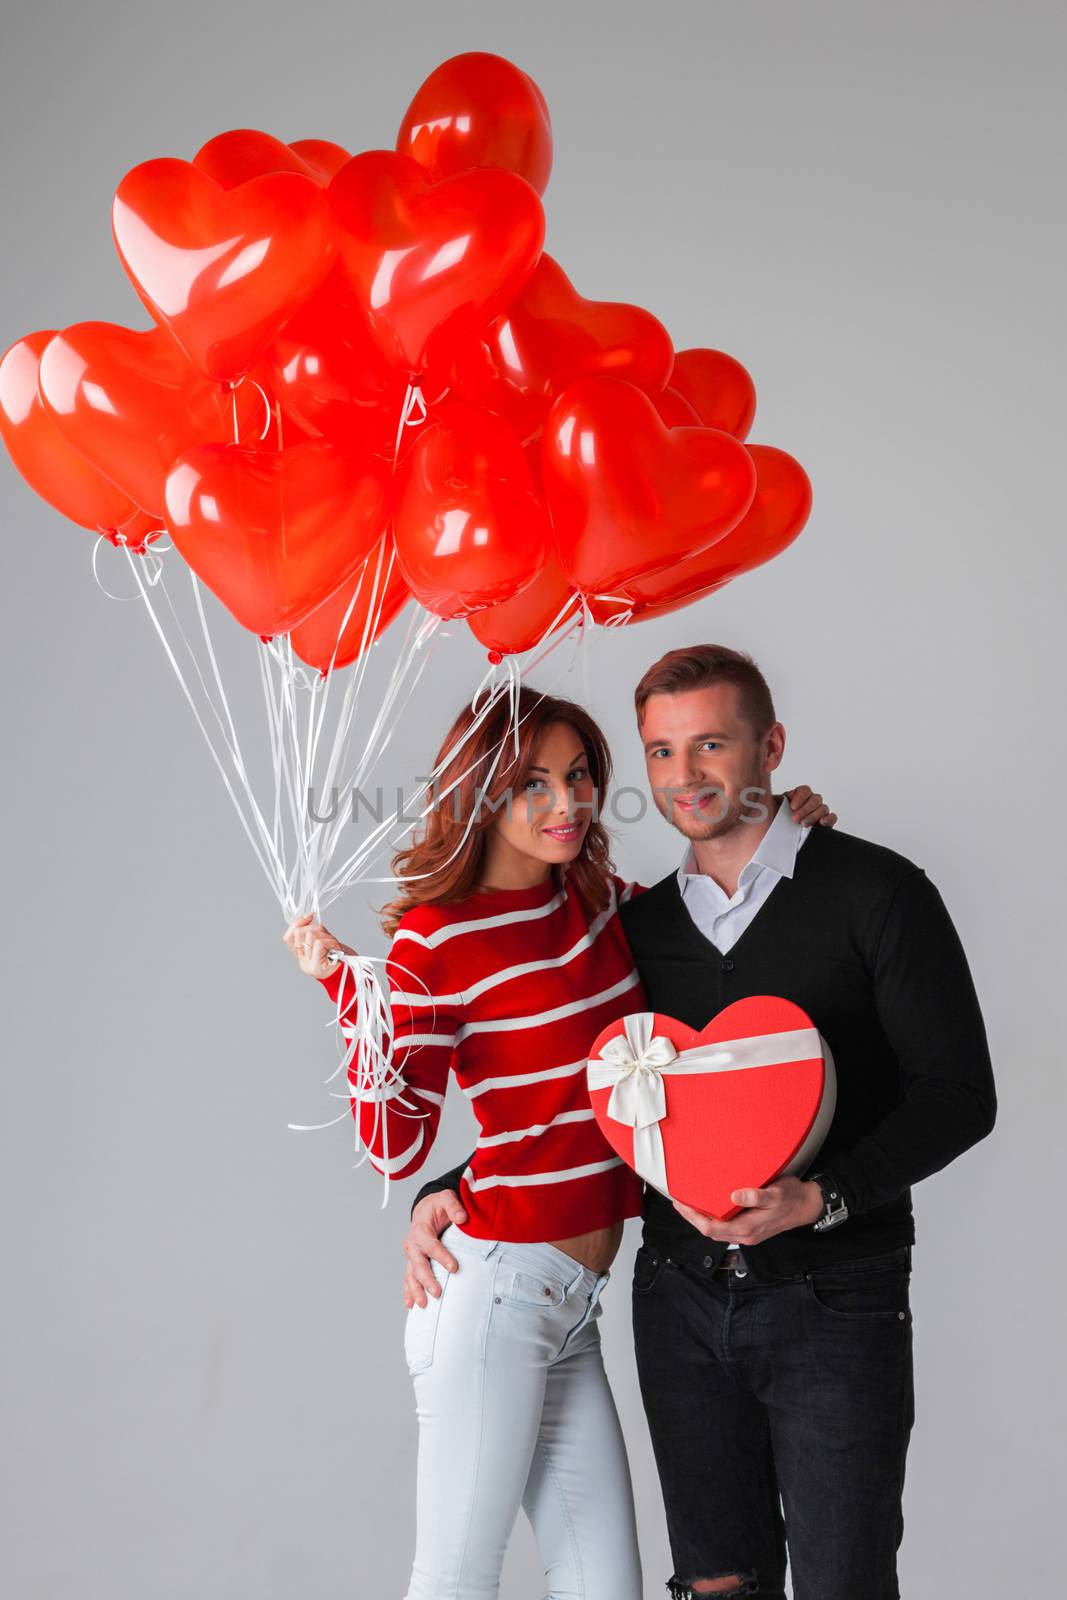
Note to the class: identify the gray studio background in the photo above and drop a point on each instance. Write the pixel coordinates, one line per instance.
(203, 1386)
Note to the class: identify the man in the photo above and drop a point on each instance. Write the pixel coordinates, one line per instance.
(774, 1351)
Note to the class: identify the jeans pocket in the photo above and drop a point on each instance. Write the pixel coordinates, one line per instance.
(868, 1294)
(420, 1327)
(647, 1268)
(531, 1291)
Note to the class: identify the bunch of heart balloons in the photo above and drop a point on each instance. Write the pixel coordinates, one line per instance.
(358, 353)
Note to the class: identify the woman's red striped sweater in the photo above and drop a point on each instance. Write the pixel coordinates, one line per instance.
(508, 988)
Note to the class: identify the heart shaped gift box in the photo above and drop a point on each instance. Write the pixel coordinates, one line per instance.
(746, 1100)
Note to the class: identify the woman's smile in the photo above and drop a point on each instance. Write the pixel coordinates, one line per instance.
(565, 831)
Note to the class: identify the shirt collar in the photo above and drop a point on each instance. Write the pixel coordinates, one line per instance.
(776, 850)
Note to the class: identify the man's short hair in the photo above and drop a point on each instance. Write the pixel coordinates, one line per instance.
(701, 665)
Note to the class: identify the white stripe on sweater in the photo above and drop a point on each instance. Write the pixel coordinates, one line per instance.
(522, 969)
(535, 1132)
(541, 1018)
(550, 963)
(499, 919)
(519, 1080)
(425, 1002)
(408, 1039)
(530, 1179)
(396, 1163)
(348, 1029)
(369, 1093)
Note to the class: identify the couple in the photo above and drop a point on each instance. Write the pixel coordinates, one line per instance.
(773, 1351)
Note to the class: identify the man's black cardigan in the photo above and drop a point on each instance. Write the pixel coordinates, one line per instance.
(860, 938)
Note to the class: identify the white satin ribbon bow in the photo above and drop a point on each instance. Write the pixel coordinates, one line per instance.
(633, 1066)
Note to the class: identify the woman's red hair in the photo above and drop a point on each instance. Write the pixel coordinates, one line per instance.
(427, 874)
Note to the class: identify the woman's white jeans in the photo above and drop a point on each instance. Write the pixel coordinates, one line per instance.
(514, 1409)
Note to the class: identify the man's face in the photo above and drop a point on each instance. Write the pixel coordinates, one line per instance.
(705, 761)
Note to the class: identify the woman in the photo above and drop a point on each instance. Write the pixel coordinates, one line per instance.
(507, 960)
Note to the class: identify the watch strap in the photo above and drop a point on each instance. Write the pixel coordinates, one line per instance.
(835, 1206)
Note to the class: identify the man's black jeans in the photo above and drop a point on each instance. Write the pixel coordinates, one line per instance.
(793, 1395)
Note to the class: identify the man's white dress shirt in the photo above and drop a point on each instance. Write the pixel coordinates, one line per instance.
(723, 918)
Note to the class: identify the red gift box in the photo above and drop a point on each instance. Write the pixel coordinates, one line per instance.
(748, 1099)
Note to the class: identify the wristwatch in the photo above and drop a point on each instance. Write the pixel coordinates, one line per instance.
(835, 1207)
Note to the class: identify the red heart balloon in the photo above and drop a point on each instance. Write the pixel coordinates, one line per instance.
(551, 336)
(234, 157)
(433, 261)
(274, 534)
(673, 409)
(130, 402)
(271, 426)
(718, 388)
(470, 528)
(49, 463)
(237, 155)
(221, 268)
(326, 636)
(328, 372)
(642, 613)
(478, 110)
(475, 378)
(779, 510)
(733, 1123)
(518, 624)
(628, 495)
(321, 157)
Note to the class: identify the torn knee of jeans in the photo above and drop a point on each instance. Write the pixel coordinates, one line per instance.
(725, 1583)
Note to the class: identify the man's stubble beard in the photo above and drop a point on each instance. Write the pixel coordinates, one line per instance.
(739, 813)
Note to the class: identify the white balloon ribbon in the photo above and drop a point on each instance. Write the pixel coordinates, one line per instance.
(633, 1066)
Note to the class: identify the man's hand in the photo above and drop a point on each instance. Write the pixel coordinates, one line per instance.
(429, 1220)
(789, 1203)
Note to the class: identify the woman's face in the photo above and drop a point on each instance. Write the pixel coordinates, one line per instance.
(552, 801)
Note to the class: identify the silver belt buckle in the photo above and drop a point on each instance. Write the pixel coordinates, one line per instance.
(735, 1262)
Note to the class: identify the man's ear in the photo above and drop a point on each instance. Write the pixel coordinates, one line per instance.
(773, 746)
